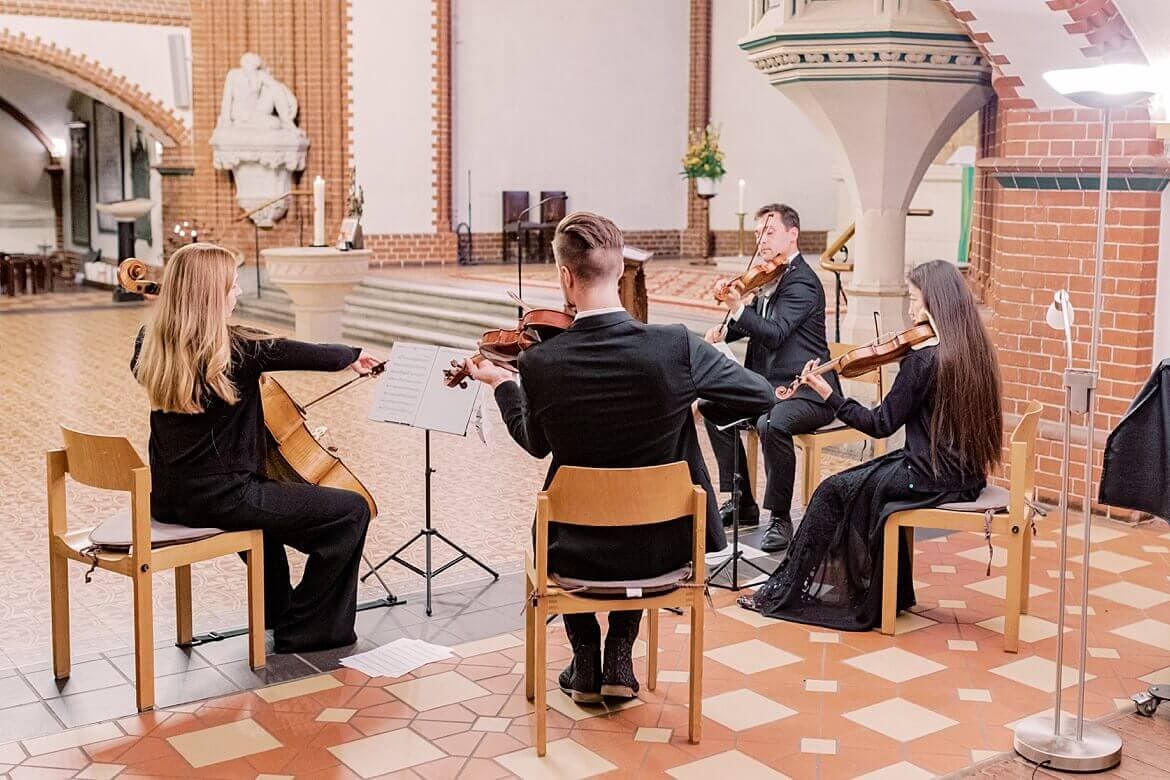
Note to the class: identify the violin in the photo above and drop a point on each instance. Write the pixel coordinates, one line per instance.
(293, 453)
(756, 276)
(504, 345)
(870, 357)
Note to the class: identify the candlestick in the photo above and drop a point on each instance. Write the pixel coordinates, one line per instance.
(318, 211)
(740, 210)
(741, 215)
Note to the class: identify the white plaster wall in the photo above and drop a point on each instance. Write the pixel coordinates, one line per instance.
(392, 113)
(137, 51)
(768, 141)
(590, 98)
(1162, 307)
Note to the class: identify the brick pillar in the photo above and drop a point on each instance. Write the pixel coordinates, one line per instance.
(696, 238)
(445, 246)
(303, 46)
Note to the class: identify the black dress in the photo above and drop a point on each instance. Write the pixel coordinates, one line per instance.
(207, 470)
(832, 576)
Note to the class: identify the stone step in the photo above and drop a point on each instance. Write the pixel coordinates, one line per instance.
(388, 332)
(442, 315)
(487, 302)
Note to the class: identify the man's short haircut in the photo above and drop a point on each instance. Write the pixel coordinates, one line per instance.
(589, 245)
(783, 212)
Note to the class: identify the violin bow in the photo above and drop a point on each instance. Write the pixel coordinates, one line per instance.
(751, 261)
(376, 369)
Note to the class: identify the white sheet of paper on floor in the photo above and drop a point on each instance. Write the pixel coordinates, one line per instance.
(397, 658)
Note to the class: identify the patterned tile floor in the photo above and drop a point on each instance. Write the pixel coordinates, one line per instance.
(780, 699)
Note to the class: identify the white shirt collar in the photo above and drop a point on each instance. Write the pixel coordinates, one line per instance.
(597, 312)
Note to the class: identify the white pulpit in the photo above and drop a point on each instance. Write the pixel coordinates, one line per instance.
(317, 279)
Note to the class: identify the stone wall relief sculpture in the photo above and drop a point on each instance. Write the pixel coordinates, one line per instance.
(256, 138)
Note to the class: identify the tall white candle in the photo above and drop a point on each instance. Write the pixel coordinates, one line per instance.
(742, 184)
(318, 211)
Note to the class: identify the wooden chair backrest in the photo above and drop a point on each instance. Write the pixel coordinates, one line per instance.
(1023, 457)
(514, 203)
(554, 210)
(874, 377)
(620, 497)
(106, 462)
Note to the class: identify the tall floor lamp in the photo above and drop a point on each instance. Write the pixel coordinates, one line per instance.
(1057, 741)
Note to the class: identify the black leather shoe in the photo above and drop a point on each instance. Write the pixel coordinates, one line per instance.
(749, 514)
(617, 677)
(778, 536)
(581, 679)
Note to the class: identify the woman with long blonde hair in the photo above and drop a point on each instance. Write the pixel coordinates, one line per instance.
(207, 447)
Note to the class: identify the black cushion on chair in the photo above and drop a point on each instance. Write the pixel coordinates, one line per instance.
(114, 533)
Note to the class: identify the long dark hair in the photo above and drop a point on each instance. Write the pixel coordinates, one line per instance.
(967, 416)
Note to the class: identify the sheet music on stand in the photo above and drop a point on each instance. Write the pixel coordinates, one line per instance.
(412, 390)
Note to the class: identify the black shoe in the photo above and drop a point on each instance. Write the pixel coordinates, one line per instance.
(617, 678)
(749, 514)
(581, 679)
(778, 536)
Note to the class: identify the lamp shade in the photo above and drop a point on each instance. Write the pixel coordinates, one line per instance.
(1105, 86)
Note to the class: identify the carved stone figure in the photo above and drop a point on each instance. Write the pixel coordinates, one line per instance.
(257, 139)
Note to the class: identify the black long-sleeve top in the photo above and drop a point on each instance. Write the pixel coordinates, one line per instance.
(910, 402)
(228, 439)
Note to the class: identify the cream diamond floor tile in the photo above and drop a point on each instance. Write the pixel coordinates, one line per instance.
(673, 676)
(336, 715)
(903, 770)
(974, 694)
(565, 760)
(753, 619)
(979, 555)
(386, 752)
(223, 743)
(518, 668)
(952, 604)
(1150, 632)
(1114, 563)
(942, 569)
(895, 664)
(491, 724)
(742, 709)
(731, 764)
(84, 735)
(1104, 652)
(920, 585)
(489, 645)
(110, 771)
(1075, 609)
(1160, 677)
(820, 686)
(1054, 574)
(1038, 673)
(1032, 628)
(11, 753)
(983, 755)
(1131, 594)
(820, 747)
(752, 656)
(438, 690)
(559, 701)
(1099, 533)
(900, 720)
(646, 734)
(682, 628)
(962, 645)
(303, 687)
(908, 621)
(1044, 544)
(1155, 548)
(824, 638)
(997, 587)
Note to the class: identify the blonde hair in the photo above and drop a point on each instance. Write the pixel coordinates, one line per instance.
(187, 349)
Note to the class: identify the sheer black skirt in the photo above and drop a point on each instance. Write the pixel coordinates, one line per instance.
(832, 576)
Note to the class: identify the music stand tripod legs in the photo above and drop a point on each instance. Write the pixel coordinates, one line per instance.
(736, 553)
(426, 533)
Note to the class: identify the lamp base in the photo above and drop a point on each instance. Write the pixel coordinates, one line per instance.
(1099, 748)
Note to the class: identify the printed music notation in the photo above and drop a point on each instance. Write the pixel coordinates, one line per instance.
(412, 390)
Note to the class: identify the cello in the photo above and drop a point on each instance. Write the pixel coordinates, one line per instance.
(293, 454)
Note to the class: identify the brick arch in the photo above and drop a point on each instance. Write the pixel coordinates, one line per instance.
(97, 81)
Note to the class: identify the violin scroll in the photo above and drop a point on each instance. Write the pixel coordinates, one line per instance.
(132, 274)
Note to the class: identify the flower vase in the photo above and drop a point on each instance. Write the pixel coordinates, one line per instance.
(706, 187)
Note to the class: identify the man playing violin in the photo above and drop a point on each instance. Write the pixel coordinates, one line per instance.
(612, 392)
(784, 324)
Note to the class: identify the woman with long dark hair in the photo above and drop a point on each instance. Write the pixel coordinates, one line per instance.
(947, 395)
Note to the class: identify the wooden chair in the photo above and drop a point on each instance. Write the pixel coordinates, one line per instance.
(514, 202)
(110, 463)
(15, 272)
(1004, 512)
(614, 497)
(814, 444)
(551, 214)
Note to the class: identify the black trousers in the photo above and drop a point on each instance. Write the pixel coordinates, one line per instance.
(326, 524)
(785, 420)
(585, 632)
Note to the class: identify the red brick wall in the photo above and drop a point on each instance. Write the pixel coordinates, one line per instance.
(696, 239)
(1027, 243)
(168, 12)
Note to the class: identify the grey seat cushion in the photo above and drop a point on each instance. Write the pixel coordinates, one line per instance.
(992, 498)
(663, 583)
(114, 533)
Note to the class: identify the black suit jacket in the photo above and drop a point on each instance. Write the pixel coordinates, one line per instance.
(612, 392)
(792, 331)
(1136, 472)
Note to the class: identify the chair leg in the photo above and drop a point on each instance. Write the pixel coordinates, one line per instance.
(529, 642)
(1014, 594)
(812, 470)
(890, 537)
(695, 720)
(652, 649)
(183, 629)
(59, 606)
(753, 460)
(1026, 569)
(257, 657)
(143, 641)
(540, 661)
(908, 540)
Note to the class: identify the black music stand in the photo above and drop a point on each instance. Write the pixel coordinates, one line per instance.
(736, 553)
